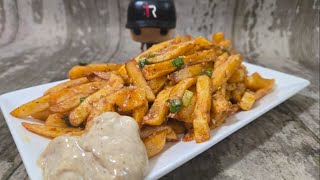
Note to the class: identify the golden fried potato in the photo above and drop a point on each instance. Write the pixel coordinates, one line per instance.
(139, 112)
(239, 75)
(57, 120)
(190, 71)
(222, 73)
(221, 59)
(44, 102)
(200, 57)
(42, 115)
(201, 113)
(150, 130)
(220, 103)
(177, 126)
(164, 68)
(68, 104)
(217, 119)
(153, 71)
(172, 52)
(189, 136)
(32, 107)
(178, 90)
(157, 48)
(237, 94)
(99, 107)
(256, 82)
(124, 74)
(217, 37)
(67, 84)
(155, 143)
(83, 71)
(247, 101)
(157, 84)
(84, 89)
(185, 113)
(51, 131)
(138, 79)
(129, 98)
(262, 92)
(80, 113)
(158, 112)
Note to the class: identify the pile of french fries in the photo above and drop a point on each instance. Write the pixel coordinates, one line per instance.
(182, 86)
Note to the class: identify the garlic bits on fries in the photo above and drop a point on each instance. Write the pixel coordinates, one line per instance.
(182, 86)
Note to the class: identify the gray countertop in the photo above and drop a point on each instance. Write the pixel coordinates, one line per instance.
(41, 39)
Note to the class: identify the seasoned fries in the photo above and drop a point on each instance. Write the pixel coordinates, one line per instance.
(83, 71)
(183, 86)
(201, 113)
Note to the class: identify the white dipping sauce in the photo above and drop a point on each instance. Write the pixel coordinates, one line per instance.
(111, 149)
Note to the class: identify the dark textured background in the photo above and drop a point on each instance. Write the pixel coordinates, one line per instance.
(41, 39)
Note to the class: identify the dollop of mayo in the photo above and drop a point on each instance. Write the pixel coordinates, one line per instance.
(111, 149)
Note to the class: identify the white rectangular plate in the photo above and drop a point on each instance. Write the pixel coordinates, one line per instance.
(30, 145)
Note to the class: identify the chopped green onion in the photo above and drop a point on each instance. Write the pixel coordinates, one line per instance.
(187, 96)
(178, 62)
(142, 63)
(208, 72)
(66, 119)
(175, 105)
(82, 99)
(150, 56)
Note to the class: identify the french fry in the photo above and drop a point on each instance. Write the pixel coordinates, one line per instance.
(201, 113)
(32, 107)
(80, 113)
(247, 101)
(155, 143)
(84, 89)
(177, 126)
(172, 52)
(159, 110)
(219, 102)
(150, 130)
(189, 136)
(139, 112)
(222, 73)
(178, 90)
(44, 102)
(129, 98)
(56, 120)
(185, 114)
(83, 71)
(190, 71)
(51, 131)
(221, 59)
(164, 68)
(68, 104)
(99, 107)
(217, 37)
(217, 119)
(262, 92)
(67, 84)
(239, 75)
(124, 74)
(153, 71)
(42, 115)
(138, 79)
(157, 84)
(156, 48)
(256, 82)
(237, 94)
